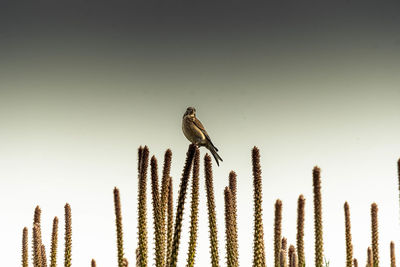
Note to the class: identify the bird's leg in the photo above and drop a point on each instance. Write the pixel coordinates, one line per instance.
(196, 144)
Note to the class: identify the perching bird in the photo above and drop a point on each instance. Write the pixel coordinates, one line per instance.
(195, 132)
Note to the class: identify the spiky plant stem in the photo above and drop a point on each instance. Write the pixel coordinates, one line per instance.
(284, 243)
(233, 189)
(37, 215)
(319, 249)
(259, 250)
(37, 238)
(181, 205)
(212, 220)
(25, 247)
(170, 221)
(44, 258)
(349, 245)
(37, 254)
(137, 257)
(163, 204)
(231, 247)
(283, 254)
(118, 224)
(143, 161)
(370, 260)
(355, 262)
(194, 210)
(392, 255)
(398, 174)
(68, 236)
(156, 211)
(93, 263)
(300, 231)
(277, 232)
(374, 230)
(140, 159)
(282, 258)
(293, 261)
(54, 243)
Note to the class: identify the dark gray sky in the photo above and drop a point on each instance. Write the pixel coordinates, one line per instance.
(196, 30)
(183, 41)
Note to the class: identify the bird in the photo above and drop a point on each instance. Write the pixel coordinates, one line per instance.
(194, 131)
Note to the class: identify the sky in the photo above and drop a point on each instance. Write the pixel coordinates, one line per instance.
(84, 83)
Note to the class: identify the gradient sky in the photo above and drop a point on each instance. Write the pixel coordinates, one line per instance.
(84, 83)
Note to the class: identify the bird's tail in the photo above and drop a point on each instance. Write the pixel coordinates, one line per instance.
(213, 151)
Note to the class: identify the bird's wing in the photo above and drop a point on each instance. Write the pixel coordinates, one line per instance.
(198, 124)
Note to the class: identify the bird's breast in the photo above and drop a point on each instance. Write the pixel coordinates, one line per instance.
(192, 133)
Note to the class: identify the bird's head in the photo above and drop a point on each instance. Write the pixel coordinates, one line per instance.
(190, 111)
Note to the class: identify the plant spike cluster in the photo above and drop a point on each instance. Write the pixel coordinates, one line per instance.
(370, 260)
(392, 255)
(37, 253)
(194, 210)
(37, 215)
(181, 204)
(167, 234)
(155, 194)
(398, 181)
(37, 238)
(319, 249)
(118, 224)
(54, 243)
(164, 194)
(232, 255)
(230, 231)
(39, 257)
(44, 258)
(282, 258)
(349, 245)
(374, 231)
(143, 162)
(137, 253)
(68, 236)
(170, 222)
(233, 189)
(300, 231)
(277, 232)
(283, 262)
(293, 260)
(212, 217)
(284, 243)
(259, 250)
(25, 247)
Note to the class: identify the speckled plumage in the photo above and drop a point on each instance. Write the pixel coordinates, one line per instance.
(194, 131)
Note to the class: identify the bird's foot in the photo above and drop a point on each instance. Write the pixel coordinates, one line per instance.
(196, 144)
